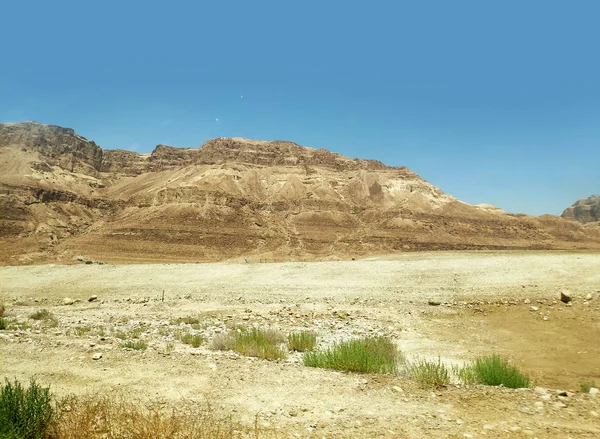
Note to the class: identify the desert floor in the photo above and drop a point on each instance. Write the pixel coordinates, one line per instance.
(503, 302)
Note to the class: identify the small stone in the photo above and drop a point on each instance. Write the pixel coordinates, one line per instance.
(293, 413)
(397, 389)
(560, 405)
(594, 414)
(434, 303)
(467, 435)
(546, 397)
(96, 356)
(565, 296)
(489, 426)
(533, 308)
(515, 428)
(527, 301)
(92, 298)
(68, 301)
(594, 390)
(539, 405)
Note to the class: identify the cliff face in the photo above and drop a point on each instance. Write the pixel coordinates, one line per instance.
(586, 210)
(60, 146)
(61, 196)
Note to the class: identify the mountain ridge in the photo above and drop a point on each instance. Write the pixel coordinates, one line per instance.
(61, 195)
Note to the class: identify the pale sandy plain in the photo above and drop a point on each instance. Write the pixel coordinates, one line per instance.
(504, 302)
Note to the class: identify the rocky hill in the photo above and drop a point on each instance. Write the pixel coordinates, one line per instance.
(586, 211)
(62, 196)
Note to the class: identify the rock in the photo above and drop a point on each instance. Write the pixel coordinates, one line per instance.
(560, 405)
(92, 298)
(594, 390)
(434, 303)
(527, 301)
(594, 414)
(96, 356)
(533, 308)
(565, 296)
(589, 296)
(68, 301)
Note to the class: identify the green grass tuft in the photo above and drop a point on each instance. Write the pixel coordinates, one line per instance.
(261, 343)
(25, 413)
(193, 340)
(3, 324)
(137, 345)
(428, 373)
(585, 386)
(302, 341)
(494, 370)
(365, 355)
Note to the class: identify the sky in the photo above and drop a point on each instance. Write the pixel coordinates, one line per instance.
(495, 102)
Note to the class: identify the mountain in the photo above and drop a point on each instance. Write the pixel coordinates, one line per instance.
(62, 196)
(586, 211)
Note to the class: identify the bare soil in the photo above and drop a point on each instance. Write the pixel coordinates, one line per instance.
(504, 302)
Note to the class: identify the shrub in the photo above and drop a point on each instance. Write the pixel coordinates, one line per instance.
(3, 324)
(25, 413)
(188, 320)
(42, 314)
(137, 345)
(429, 373)
(302, 341)
(365, 355)
(585, 386)
(193, 340)
(493, 370)
(261, 343)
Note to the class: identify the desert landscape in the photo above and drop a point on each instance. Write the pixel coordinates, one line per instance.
(133, 274)
(453, 306)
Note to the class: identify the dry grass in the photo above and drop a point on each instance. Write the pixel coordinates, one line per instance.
(429, 373)
(110, 417)
(41, 314)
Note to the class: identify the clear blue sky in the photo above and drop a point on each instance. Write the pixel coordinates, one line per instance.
(493, 101)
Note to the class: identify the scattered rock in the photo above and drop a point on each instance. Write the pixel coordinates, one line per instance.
(92, 298)
(434, 303)
(96, 356)
(68, 301)
(565, 296)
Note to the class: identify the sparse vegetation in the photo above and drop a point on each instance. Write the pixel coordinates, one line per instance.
(253, 342)
(137, 345)
(41, 314)
(365, 355)
(585, 386)
(493, 370)
(25, 413)
(3, 324)
(82, 330)
(110, 417)
(194, 340)
(302, 341)
(2, 309)
(429, 373)
(187, 320)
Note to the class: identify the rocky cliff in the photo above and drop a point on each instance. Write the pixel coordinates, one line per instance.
(62, 196)
(585, 211)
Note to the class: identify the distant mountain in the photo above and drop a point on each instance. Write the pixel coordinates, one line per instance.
(586, 210)
(62, 196)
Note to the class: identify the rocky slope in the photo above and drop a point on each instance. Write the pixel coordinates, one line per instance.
(62, 196)
(586, 211)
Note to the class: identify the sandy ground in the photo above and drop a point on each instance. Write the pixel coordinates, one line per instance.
(505, 302)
